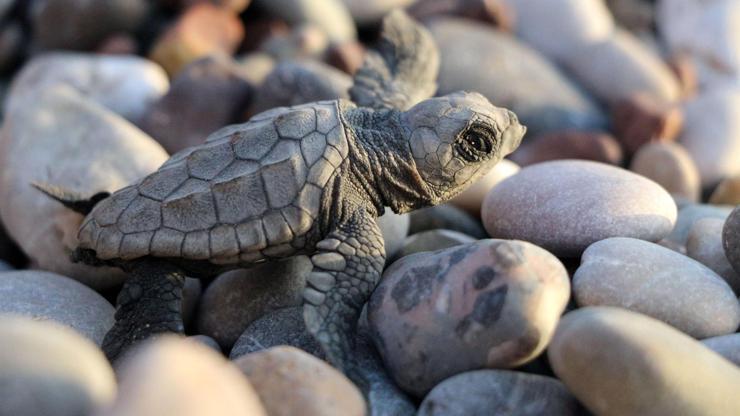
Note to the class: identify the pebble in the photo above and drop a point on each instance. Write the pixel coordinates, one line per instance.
(446, 217)
(493, 303)
(347, 57)
(394, 228)
(207, 341)
(173, 376)
(201, 30)
(48, 369)
(731, 238)
(499, 392)
(331, 16)
(278, 327)
(67, 141)
(727, 192)
(491, 12)
(82, 24)
(47, 296)
(237, 298)
(314, 387)
(650, 279)
(690, 214)
(471, 199)
(126, 85)
(299, 82)
(303, 42)
(671, 166)
(371, 12)
(512, 75)
(616, 68)
(643, 118)
(638, 16)
(618, 362)
(205, 95)
(256, 66)
(727, 346)
(713, 141)
(565, 206)
(572, 144)
(704, 245)
(433, 240)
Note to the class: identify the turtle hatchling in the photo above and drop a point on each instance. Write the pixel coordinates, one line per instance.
(304, 180)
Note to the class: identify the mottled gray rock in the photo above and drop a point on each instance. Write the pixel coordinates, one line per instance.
(331, 16)
(433, 240)
(48, 296)
(205, 96)
(395, 228)
(671, 166)
(564, 206)
(493, 303)
(731, 238)
(511, 74)
(704, 245)
(445, 217)
(690, 214)
(658, 282)
(48, 369)
(237, 298)
(279, 327)
(727, 346)
(472, 198)
(595, 348)
(499, 392)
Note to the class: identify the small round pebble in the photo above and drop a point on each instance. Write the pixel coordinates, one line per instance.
(48, 296)
(689, 214)
(499, 392)
(471, 199)
(727, 346)
(433, 240)
(174, 376)
(48, 369)
(564, 206)
(658, 282)
(292, 382)
(727, 192)
(705, 246)
(731, 238)
(618, 362)
(493, 303)
(671, 166)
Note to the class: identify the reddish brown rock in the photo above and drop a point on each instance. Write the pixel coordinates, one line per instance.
(642, 119)
(596, 146)
(257, 31)
(347, 56)
(202, 30)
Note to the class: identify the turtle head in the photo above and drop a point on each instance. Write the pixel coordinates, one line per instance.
(457, 138)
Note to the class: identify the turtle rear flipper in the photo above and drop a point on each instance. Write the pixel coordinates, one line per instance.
(71, 199)
(402, 70)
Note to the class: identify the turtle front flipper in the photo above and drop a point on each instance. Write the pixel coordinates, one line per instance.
(347, 266)
(149, 303)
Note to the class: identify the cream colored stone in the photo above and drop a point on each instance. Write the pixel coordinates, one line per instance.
(471, 199)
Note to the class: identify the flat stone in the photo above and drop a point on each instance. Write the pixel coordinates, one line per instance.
(647, 278)
(445, 217)
(331, 16)
(498, 392)
(594, 348)
(492, 303)
(642, 118)
(512, 75)
(727, 192)
(172, 375)
(690, 214)
(49, 369)
(713, 142)
(68, 141)
(394, 228)
(564, 206)
(671, 166)
(471, 199)
(237, 298)
(315, 387)
(731, 239)
(595, 146)
(433, 240)
(704, 245)
(46, 296)
(727, 346)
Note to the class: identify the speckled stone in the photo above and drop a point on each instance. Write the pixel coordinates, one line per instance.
(48, 369)
(471, 199)
(564, 206)
(704, 245)
(492, 303)
(47, 296)
(595, 146)
(658, 282)
(594, 349)
(171, 375)
(671, 166)
(499, 392)
(731, 238)
(692, 213)
(447, 217)
(512, 75)
(237, 298)
(727, 346)
(315, 388)
(727, 192)
(433, 240)
(394, 228)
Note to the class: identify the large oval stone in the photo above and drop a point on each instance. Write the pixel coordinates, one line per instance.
(658, 282)
(618, 362)
(492, 303)
(564, 206)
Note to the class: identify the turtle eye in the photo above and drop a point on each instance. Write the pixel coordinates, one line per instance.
(475, 144)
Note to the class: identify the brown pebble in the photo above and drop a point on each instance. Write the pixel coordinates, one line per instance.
(727, 192)
(685, 70)
(596, 146)
(347, 56)
(643, 118)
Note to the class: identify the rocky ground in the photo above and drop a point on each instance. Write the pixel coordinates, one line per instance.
(595, 271)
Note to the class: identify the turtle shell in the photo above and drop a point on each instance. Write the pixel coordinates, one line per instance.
(250, 192)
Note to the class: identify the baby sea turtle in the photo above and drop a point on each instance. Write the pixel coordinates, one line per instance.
(304, 180)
